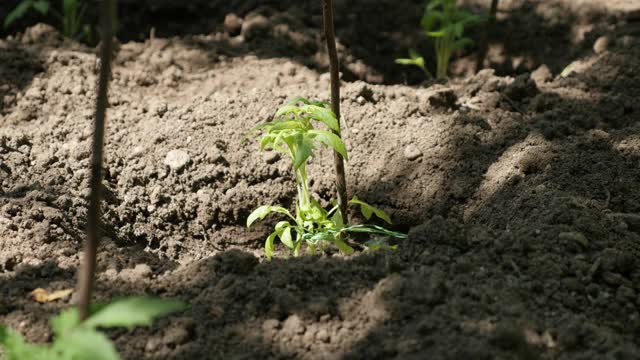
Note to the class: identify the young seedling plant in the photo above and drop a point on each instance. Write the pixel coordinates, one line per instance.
(293, 134)
(445, 23)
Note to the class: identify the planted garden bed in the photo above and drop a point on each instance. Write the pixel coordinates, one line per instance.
(518, 189)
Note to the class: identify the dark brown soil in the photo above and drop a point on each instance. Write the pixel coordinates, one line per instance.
(520, 194)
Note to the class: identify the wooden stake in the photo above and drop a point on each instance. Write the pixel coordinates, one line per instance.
(334, 66)
(88, 267)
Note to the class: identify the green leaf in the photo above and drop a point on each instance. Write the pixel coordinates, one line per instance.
(329, 236)
(304, 149)
(69, 6)
(323, 115)
(42, 6)
(288, 125)
(133, 311)
(429, 20)
(268, 245)
(436, 34)
(461, 43)
(299, 99)
(336, 218)
(367, 210)
(379, 243)
(18, 12)
(65, 321)
(374, 229)
(264, 210)
(15, 348)
(84, 345)
(286, 110)
(331, 140)
(285, 237)
(343, 246)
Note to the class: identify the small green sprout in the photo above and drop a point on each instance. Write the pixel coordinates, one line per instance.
(292, 133)
(444, 22)
(416, 60)
(74, 340)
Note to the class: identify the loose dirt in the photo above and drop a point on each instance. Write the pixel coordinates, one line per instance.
(520, 195)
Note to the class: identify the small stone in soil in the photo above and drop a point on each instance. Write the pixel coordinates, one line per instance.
(541, 75)
(271, 157)
(361, 100)
(411, 152)
(176, 335)
(176, 159)
(232, 24)
(293, 326)
(323, 335)
(601, 44)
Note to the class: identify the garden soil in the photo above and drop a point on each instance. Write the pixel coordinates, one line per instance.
(520, 194)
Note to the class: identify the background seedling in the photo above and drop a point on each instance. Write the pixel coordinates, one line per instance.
(445, 23)
(292, 133)
(71, 17)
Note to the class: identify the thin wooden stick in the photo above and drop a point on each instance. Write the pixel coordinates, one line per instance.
(88, 267)
(484, 41)
(334, 66)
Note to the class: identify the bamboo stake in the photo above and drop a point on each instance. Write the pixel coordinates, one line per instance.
(88, 267)
(334, 66)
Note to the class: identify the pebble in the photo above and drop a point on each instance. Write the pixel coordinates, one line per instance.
(411, 152)
(153, 344)
(542, 75)
(232, 24)
(271, 157)
(290, 69)
(361, 100)
(177, 159)
(136, 152)
(293, 326)
(176, 335)
(601, 44)
(255, 26)
(323, 335)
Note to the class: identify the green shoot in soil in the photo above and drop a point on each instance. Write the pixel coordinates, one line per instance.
(76, 340)
(71, 18)
(445, 23)
(416, 60)
(292, 133)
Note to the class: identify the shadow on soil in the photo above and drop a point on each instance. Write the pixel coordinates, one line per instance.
(374, 34)
(502, 273)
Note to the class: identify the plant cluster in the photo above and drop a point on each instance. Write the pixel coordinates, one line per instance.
(71, 18)
(76, 340)
(293, 134)
(445, 23)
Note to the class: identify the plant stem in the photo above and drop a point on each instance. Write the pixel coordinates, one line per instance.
(87, 270)
(484, 40)
(341, 182)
